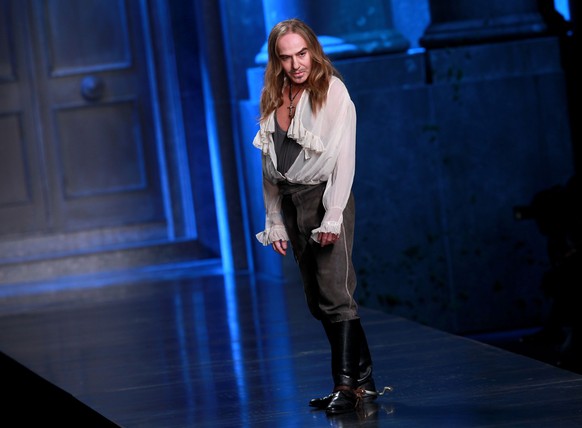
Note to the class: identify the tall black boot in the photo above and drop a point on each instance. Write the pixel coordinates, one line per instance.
(345, 343)
(365, 379)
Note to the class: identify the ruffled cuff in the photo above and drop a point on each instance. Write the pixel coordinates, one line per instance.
(272, 234)
(334, 227)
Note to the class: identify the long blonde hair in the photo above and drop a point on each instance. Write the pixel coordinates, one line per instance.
(318, 80)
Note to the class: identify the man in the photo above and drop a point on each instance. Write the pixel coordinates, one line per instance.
(307, 137)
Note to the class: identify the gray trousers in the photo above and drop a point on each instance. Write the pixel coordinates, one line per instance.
(328, 275)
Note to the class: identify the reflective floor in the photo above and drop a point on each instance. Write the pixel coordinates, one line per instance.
(215, 351)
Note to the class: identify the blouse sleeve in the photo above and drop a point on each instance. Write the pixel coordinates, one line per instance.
(341, 147)
(274, 227)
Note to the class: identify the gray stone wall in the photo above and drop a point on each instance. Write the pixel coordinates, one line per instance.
(448, 143)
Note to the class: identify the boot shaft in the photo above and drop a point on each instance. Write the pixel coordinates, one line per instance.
(345, 338)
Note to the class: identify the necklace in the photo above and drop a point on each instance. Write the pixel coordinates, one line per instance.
(291, 98)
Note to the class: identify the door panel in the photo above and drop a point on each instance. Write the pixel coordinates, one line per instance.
(13, 178)
(86, 167)
(22, 203)
(103, 181)
(86, 36)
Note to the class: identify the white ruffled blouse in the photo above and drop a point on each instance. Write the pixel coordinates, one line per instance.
(328, 154)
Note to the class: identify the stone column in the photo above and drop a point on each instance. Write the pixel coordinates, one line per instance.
(461, 22)
(346, 28)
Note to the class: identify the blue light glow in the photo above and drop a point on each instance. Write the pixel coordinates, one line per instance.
(563, 7)
(213, 144)
(235, 343)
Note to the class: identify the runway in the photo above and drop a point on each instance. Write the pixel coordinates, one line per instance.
(202, 349)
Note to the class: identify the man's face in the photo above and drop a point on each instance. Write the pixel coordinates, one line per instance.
(295, 57)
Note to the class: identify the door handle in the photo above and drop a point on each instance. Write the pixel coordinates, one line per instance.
(92, 88)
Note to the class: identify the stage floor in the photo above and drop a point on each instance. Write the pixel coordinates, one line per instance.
(224, 351)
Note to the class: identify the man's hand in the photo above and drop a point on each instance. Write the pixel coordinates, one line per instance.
(280, 247)
(327, 238)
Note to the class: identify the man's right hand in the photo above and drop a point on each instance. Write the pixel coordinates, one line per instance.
(280, 247)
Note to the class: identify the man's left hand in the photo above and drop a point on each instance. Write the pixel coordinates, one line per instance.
(327, 238)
